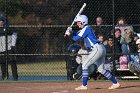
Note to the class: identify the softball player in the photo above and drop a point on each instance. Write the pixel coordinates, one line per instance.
(97, 54)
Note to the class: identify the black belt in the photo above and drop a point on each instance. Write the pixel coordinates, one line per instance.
(91, 47)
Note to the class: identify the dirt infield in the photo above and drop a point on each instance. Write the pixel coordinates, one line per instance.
(67, 87)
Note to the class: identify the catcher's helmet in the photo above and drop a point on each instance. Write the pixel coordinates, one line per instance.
(3, 19)
(74, 48)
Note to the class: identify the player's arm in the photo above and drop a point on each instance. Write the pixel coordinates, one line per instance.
(75, 38)
(83, 33)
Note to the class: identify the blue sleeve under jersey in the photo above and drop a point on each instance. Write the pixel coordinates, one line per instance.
(87, 35)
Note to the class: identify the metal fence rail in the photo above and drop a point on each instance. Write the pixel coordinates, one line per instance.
(41, 49)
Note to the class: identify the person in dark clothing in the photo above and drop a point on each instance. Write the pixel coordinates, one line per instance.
(117, 44)
(11, 46)
(109, 49)
(132, 44)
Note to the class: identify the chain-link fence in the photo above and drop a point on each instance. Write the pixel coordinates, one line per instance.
(41, 49)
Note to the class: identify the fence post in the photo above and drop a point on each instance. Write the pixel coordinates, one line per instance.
(6, 42)
(113, 15)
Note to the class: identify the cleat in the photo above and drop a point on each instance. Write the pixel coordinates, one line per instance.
(81, 88)
(115, 86)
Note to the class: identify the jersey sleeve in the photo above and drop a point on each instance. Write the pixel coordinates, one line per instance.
(82, 34)
(75, 38)
(75, 33)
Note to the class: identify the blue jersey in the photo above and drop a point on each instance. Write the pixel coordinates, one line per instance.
(87, 35)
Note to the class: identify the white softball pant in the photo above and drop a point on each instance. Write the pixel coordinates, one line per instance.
(96, 56)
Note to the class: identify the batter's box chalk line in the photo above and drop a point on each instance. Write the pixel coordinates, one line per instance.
(64, 91)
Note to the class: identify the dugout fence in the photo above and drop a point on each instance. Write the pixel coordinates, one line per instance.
(41, 48)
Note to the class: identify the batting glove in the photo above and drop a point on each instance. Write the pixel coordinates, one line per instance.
(68, 31)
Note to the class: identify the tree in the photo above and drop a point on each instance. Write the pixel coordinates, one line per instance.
(10, 7)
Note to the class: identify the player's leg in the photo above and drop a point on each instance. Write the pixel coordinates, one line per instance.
(92, 69)
(108, 75)
(3, 70)
(100, 64)
(3, 67)
(13, 63)
(14, 70)
(95, 54)
(78, 74)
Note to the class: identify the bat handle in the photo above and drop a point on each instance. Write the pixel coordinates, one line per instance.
(72, 24)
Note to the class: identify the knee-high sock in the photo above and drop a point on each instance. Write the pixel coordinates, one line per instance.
(107, 74)
(85, 77)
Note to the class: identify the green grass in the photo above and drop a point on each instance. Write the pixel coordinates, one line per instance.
(41, 69)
